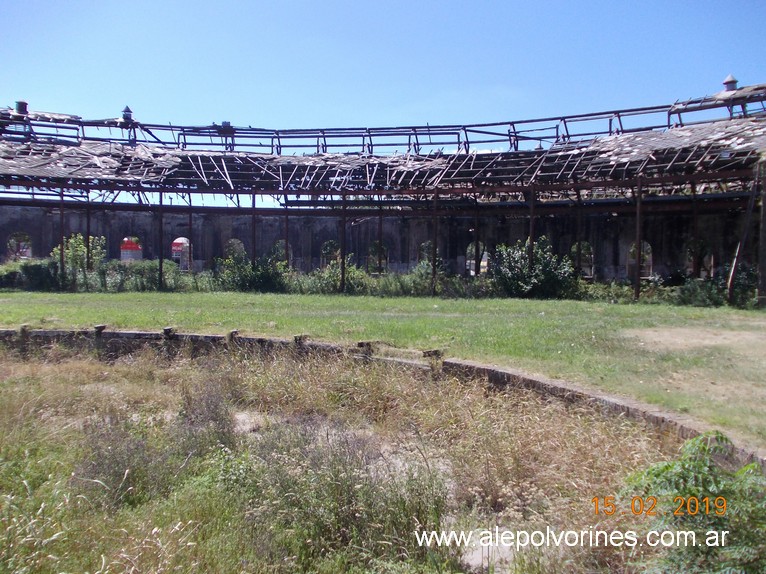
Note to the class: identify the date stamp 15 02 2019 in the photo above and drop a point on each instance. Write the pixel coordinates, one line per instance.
(647, 505)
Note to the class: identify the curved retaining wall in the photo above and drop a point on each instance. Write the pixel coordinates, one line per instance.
(111, 344)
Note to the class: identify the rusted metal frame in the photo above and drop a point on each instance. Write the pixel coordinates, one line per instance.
(489, 164)
(567, 162)
(639, 238)
(314, 170)
(704, 155)
(260, 164)
(459, 168)
(201, 171)
(673, 161)
(290, 178)
(536, 160)
(324, 173)
(513, 137)
(223, 173)
(371, 179)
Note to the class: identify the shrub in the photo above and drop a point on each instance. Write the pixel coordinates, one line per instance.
(548, 277)
(696, 474)
(40, 275)
(714, 292)
(327, 280)
(236, 272)
(10, 275)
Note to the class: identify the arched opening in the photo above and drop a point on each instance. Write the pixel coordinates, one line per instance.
(471, 258)
(377, 258)
(585, 258)
(330, 251)
(278, 251)
(646, 260)
(131, 249)
(235, 249)
(19, 246)
(707, 269)
(181, 252)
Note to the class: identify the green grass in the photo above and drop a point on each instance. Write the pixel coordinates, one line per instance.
(579, 341)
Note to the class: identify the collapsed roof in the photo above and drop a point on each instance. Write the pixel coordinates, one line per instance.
(599, 154)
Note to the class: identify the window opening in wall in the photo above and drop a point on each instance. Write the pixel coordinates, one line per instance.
(470, 259)
(586, 259)
(19, 246)
(377, 259)
(646, 260)
(329, 252)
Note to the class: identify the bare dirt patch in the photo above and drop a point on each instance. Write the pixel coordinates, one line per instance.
(751, 344)
(724, 384)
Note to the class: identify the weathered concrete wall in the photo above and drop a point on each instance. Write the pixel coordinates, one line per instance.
(611, 236)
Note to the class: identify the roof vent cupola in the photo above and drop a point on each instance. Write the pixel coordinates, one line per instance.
(730, 83)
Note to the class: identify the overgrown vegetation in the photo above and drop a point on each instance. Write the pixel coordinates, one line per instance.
(283, 463)
(534, 271)
(518, 271)
(705, 498)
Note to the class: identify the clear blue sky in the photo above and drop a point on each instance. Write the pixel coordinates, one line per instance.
(328, 63)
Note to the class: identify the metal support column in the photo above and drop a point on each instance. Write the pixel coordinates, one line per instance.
(761, 178)
(639, 224)
(287, 234)
(191, 235)
(578, 235)
(696, 246)
(742, 245)
(62, 233)
(380, 240)
(434, 250)
(160, 248)
(476, 248)
(342, 286)
(531, 239)
(88, 260)
(253, 257)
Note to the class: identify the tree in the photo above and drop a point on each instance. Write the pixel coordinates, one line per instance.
(76, 259)
(547, 277)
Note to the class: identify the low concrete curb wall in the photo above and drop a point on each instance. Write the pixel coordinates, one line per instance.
(112, 344)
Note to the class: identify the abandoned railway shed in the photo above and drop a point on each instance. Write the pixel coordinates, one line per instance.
(627, 193)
